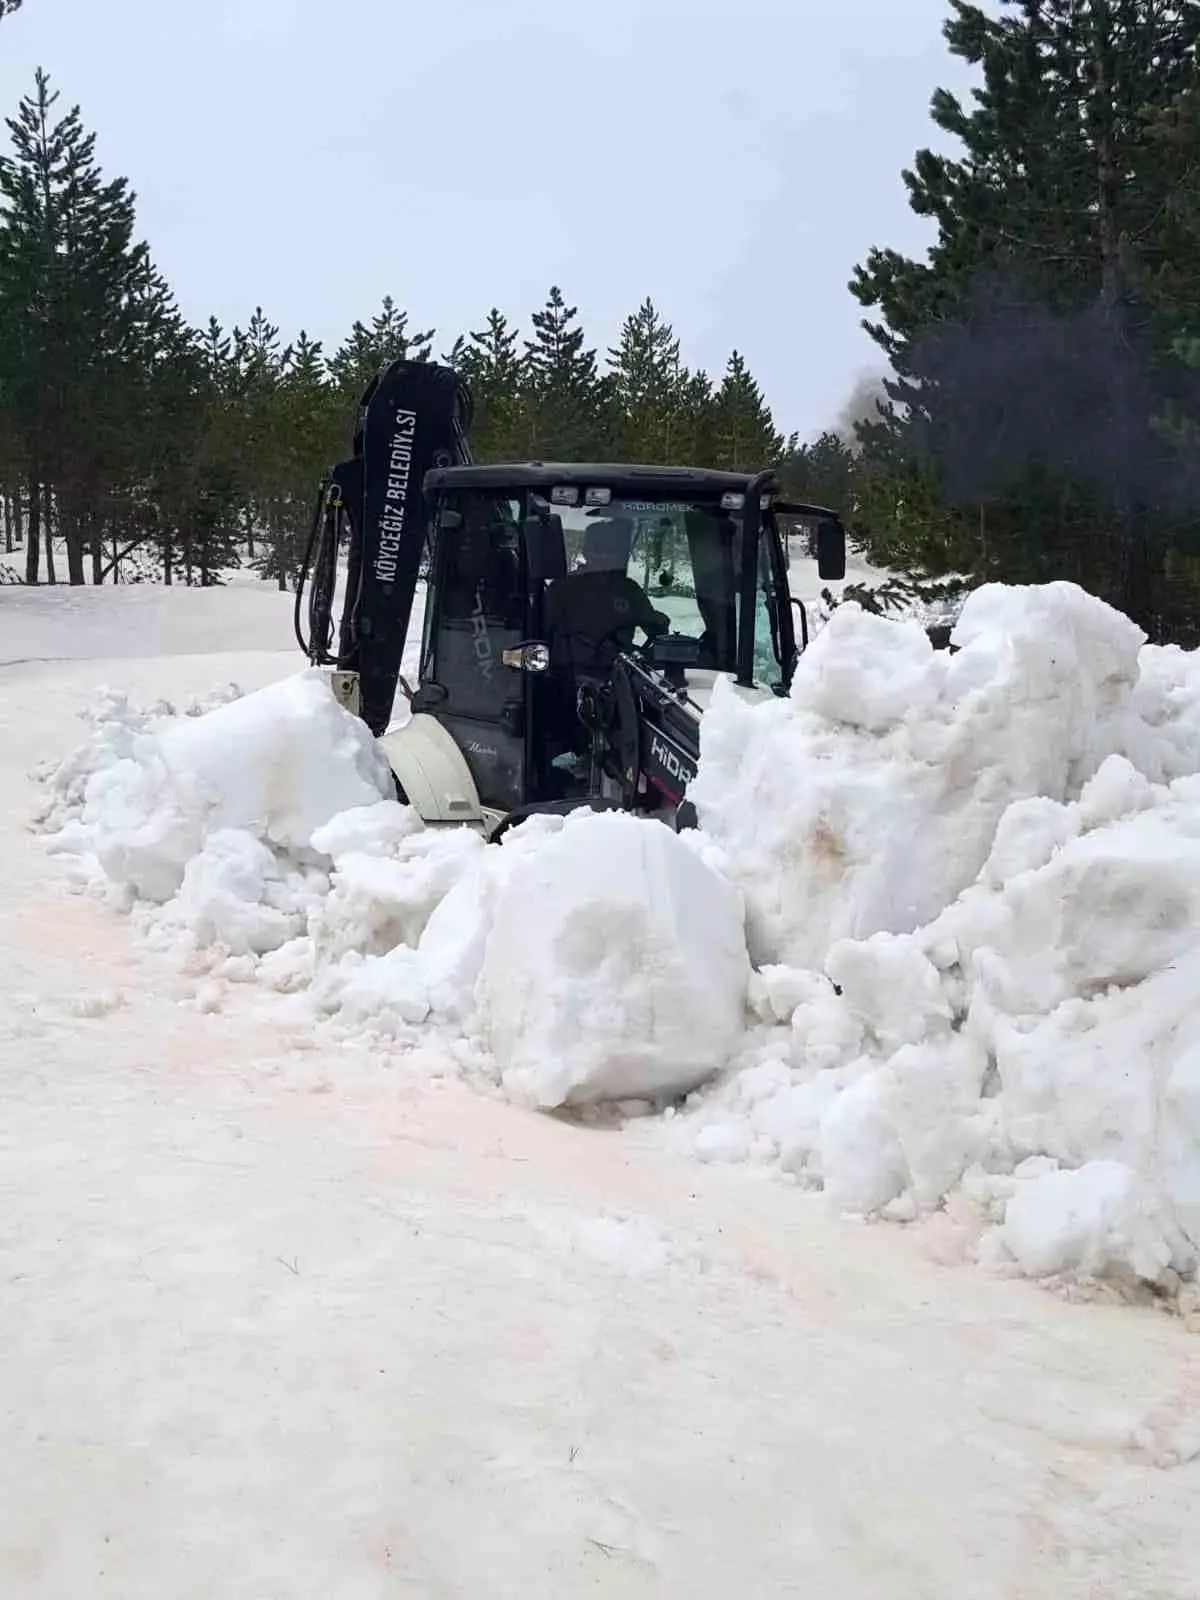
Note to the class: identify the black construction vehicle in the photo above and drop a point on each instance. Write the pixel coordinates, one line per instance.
(576, 616)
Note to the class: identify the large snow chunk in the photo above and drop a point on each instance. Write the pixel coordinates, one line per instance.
(1047, 1012)
(454, 941)
(235, 895)
(861, 1154)
(870, 798)
(615, 967)
(370, 830)
(142, 824)
(279, 763)
(1096, 1220)
(274, 765)
(378, 901)
(868, 672)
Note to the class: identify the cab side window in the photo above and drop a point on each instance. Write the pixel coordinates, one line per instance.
(481, 572)
(482, 610)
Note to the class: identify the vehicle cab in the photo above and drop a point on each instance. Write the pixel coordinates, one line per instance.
(539, 574)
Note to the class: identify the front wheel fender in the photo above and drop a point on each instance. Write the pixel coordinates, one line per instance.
(431, 772)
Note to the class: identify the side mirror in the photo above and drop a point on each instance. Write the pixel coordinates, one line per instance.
(831, 549)
(450, 521)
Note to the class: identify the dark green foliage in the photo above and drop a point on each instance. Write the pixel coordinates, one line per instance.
(567, 405)
(134, 446)
(370, 347)
(743, 434)
(1041, 416)
(88, 331)
(495, 373)
(1033, 352)
(647, 388)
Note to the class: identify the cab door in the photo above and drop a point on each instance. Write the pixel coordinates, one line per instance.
(478, 610)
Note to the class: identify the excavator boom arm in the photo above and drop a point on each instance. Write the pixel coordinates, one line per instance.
(413, 416)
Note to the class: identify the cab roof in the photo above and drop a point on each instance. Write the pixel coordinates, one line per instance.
(625, 482)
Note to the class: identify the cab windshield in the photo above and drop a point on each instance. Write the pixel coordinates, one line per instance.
(686, 556)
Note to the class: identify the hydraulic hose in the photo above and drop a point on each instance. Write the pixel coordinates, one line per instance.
(316, 555)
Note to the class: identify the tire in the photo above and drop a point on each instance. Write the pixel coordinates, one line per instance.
(547, 808)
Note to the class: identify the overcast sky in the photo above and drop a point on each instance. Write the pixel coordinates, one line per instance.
(732, 160)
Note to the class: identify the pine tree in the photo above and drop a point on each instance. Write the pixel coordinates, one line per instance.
(648, 385)
(260, 363)
(696, 441)
(744, 435)
(312, 428)
(81, 311)
(369, 348)
(822, 473)
(566, 398)
(1020, 346)
(494, 373)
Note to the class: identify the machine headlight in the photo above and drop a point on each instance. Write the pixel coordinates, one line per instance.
(527, 658)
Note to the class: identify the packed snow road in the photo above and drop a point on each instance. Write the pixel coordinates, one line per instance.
(287, 1322)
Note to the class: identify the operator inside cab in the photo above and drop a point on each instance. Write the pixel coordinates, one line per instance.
(594, 611)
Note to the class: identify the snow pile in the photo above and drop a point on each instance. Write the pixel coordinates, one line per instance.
(202, 805)
(980, 926)
(116, 726)
(969, 882)
(586, 958)
(1048, 1020)
(616, 964)
(868, 799)
(599, 958)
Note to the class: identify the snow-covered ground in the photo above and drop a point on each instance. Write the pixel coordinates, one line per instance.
(140, 620)
(294, 1309)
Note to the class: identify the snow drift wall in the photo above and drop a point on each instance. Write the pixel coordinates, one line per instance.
(977, 922)
(869, 799)
(970, 885)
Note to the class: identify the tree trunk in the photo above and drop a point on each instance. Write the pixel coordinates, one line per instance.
(8, 525)
(984, 561)
(96, 539)
(34, 547)
(48, 535)
(277, 546)
(72, 526)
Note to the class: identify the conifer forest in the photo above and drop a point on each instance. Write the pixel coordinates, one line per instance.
(1039, 419)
